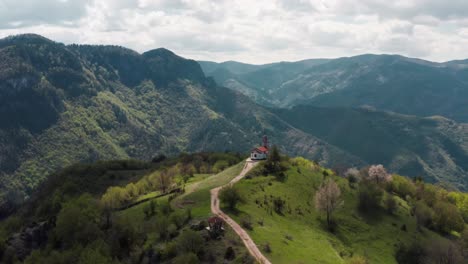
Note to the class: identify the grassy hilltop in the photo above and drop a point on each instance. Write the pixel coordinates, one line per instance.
(155, 212)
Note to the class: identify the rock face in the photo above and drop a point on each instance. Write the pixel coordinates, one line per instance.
(30, 238)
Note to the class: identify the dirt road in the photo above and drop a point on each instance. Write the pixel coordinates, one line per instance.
(249, 244)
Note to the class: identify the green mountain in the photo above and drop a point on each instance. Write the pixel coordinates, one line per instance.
(435, 147)
(64, 104)
(386, 82)
(79, 103)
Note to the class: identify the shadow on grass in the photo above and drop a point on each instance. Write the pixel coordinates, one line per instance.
(232, 211)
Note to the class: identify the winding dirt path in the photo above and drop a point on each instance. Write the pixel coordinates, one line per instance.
(248, 242)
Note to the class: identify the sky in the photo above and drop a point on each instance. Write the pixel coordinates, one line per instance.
(252, 31)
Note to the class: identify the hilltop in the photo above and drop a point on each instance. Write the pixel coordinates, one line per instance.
(132, 211)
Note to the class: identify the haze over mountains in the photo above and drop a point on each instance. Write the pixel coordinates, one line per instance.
(64, 104)
(386, 82)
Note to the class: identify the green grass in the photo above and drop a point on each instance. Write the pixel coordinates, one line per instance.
(375, 236)
(197, 195)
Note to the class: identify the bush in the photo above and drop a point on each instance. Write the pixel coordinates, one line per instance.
(391, 204)
(278, 205)
(230, 254)
(190, 242)
(402, 186)
(267, 248)
(246, 222)
(230, 195)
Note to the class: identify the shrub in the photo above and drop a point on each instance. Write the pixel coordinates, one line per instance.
(230, 254)
(278, 205)
(230, 195)
(391, 204)
(402, 186)
(246, 222)
(190, 242)
(267, 248)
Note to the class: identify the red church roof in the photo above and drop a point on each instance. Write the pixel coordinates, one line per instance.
(261, 149)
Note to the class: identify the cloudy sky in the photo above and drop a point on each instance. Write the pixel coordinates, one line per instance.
(251, 31)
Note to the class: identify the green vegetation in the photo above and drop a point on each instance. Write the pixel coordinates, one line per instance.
(94, 220)
(375, 219)
(230, 196)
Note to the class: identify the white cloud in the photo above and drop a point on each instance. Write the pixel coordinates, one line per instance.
(252, 31)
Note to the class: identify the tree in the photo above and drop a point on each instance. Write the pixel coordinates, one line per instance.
(164, 180)
(378, 174)
(327, 199)
(447, 218)
(131, 190)
(230, 195)
(370, 195)
(190, 242)
(273, 163)
(352, 174)
(443, 251)
(78, 221)
(423, 214)
(220, 165)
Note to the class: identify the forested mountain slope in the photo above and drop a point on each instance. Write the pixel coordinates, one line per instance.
(64, 104)
(386, 82)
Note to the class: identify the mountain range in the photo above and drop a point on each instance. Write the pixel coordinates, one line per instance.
(385, 82)
(61, 104)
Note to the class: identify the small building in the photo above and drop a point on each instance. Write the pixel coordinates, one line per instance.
(260, 153)
(215, 226)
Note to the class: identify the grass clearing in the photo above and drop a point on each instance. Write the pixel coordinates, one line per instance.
(299, 234)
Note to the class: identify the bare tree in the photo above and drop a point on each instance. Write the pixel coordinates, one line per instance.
(327, 199)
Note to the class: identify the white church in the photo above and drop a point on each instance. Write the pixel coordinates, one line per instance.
(260, 153)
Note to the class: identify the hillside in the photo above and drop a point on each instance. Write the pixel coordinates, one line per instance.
(116, 212)
(373, 222)
(407, 145)
(386, 82)
(80, 103)
(64, 104)
(132, 211)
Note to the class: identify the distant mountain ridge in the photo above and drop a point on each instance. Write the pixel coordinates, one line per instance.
(386, 82)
